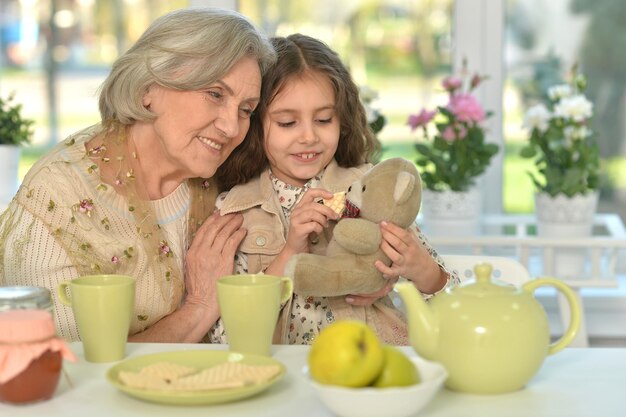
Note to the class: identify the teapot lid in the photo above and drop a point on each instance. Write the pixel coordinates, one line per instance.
(483, 285)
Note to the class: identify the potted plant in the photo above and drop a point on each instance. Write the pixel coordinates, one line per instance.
(375, 118)
(452, 156)
(563, 148)
(561, 143)
(15, 130)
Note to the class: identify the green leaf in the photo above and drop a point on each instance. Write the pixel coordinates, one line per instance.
(528, 152)
(14, 129)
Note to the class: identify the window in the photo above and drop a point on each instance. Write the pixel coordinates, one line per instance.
(401, 49)
(543, 39)
(55, 55)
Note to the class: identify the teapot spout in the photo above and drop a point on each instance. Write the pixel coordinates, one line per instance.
(422, 323)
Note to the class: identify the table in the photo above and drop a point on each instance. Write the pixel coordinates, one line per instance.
(573, 383)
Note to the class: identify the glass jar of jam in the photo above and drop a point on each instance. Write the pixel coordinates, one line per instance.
(24, 297)
(31, 356)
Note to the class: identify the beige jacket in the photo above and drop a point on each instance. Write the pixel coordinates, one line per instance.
(267, 230)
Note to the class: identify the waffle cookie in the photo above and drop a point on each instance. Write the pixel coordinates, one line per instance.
(165, 376)
(227, 375)
(167, 370)
(337, 203)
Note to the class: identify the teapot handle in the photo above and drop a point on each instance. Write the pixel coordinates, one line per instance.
(574, 308)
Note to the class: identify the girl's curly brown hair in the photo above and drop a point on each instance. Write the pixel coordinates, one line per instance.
(298, 54)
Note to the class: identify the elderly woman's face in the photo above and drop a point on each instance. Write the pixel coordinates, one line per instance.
(197, 130)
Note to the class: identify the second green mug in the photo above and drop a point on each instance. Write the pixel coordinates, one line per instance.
(249, 305)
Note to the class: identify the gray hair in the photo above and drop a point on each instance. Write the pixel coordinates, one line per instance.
(187, 49)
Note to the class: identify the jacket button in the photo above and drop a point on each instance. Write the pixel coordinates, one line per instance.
(260, 241)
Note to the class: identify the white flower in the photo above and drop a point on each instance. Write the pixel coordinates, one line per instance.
(560, 91)
(370, 113)
(537, 117)
(367, 94)
(577, 108)
(573, 133)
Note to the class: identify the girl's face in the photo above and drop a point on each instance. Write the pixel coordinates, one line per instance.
(196, 131)
(301, 128)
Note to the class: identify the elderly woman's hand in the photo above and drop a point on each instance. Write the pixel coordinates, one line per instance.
(211, 255)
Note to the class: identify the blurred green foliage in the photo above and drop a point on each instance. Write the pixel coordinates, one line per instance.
(15, 129)
(603, 60)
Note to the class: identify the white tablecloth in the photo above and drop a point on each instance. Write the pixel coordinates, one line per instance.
(572, 383)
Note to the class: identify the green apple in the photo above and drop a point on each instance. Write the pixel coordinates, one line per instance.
(398, 370)
(346, 353)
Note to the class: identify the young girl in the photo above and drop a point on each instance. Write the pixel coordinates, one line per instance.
(316, 140)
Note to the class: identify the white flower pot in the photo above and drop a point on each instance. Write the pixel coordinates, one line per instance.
(451, 213)
(9, 162)
(565, 217)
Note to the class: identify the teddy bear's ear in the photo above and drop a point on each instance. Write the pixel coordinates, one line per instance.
(405, 183)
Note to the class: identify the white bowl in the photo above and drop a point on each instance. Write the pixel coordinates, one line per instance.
(388, 402)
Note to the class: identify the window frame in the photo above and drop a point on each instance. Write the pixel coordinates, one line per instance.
(478, 37)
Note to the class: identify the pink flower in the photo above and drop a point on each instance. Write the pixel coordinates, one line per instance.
(451, 83)
(164, 249)
(450, 133)
(454, 152)
(462, 132)
(97, 150)
(85, 206)
(466, 108)
(421, 119)
(115, 259)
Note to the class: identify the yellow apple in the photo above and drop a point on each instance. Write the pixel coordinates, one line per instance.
(398, 370)
(346, 353)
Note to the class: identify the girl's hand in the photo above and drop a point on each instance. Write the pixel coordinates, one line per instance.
(369, 299)
(211, 256)
(308, 217)
(410, 259)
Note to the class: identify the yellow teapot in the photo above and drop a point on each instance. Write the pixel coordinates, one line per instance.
(491, 337)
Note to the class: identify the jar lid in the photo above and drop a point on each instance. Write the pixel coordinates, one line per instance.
(21, 326)
(23, 297)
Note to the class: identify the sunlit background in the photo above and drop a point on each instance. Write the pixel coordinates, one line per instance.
(55, 53)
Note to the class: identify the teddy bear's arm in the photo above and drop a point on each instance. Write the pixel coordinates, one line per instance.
(358, 236)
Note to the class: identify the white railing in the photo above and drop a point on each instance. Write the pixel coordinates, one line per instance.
(515, 236)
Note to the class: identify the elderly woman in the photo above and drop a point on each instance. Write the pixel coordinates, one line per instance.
(134, 194)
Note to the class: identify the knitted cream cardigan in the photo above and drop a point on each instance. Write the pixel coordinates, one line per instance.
(64, 223)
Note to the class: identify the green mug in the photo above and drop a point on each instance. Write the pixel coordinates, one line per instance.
(249, 305)
(103, 307)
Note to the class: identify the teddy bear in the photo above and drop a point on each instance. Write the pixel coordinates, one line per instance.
(390, 191)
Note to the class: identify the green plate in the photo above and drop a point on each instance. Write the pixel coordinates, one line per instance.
(199, 359)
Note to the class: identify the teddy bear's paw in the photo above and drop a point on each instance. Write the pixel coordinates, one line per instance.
(290, 267)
